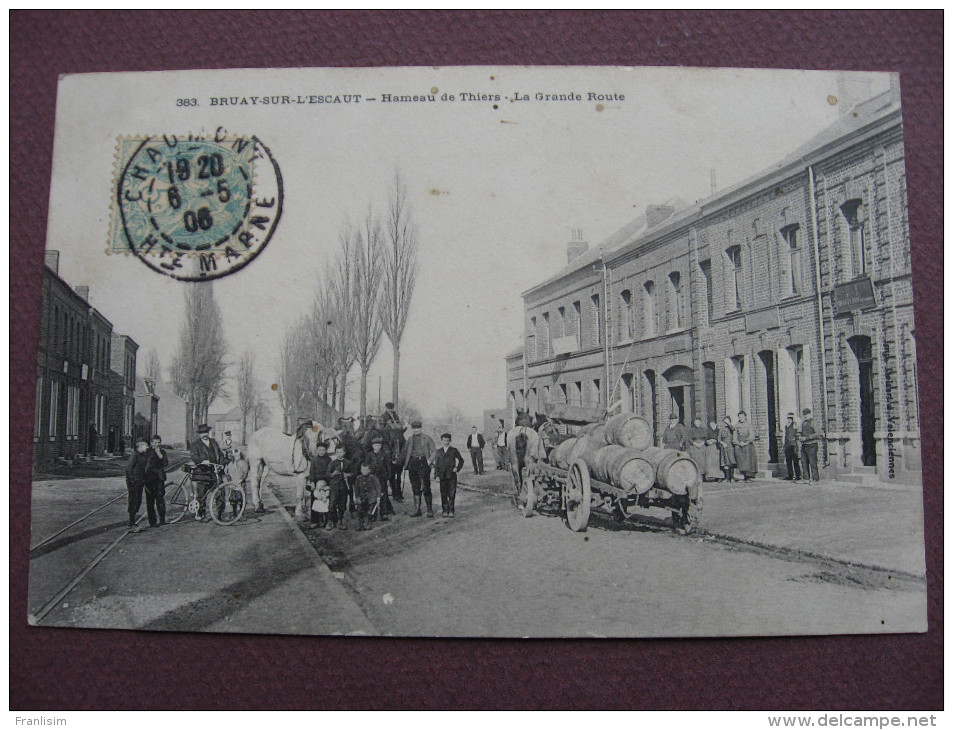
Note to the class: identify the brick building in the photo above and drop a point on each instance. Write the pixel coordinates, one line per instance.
(121, 405)
(82, 407)
(147, 409)
(791, 289)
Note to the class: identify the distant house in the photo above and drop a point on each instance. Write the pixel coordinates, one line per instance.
(229, 421)
(173, 416)
(121, 404)
(147, 409)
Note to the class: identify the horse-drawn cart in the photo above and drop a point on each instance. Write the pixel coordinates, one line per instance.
(612, 467)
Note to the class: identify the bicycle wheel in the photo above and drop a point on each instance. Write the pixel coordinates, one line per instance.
(177, 503)
(226, 503)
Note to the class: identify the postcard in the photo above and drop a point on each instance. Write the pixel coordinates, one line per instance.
(478, 352)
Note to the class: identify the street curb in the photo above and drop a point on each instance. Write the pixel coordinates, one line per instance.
(796, 554)
(785, 553)
(327, 577)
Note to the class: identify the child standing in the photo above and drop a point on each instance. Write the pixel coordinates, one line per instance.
(367, 494)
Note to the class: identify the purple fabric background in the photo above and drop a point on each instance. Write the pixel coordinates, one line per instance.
(71, 669)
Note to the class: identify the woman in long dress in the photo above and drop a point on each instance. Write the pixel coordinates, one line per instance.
(696, 445)
(745, 455)
(712, 454)
(726, 444)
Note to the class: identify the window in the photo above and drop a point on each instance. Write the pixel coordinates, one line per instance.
(544, 344)
(705, 267)
(72, 412)
(793, 252)
(577, 322)
(596, 392)
(649, 308)
(595, 320)
(797, 359)
(625, 321)
(531, 338)
(38, 409)
(733, 253)
(561, 322)
(54, 408)
(577, 393)
(853, 211)
(674, 300)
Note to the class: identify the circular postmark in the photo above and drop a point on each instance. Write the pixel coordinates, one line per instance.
(196, 208)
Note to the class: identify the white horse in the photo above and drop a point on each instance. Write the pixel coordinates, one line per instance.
(520, 458)
(271, 450)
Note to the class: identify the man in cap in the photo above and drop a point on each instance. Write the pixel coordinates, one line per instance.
(790, 450)
(136, 480)
(417, 457)
(205, 454)
(676, 435)
(389, 418)
(810, 437)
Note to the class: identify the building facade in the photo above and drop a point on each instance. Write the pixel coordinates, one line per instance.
(81, 406)
(147, 409)
(790, 290)
(121, 407)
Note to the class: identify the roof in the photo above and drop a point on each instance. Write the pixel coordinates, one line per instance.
(625, 235)
(860, 116)
(145, 385)
(235, 414)
(516, 351)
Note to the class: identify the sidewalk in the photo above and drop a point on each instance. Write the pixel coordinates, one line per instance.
(259, 576)
(870, 526)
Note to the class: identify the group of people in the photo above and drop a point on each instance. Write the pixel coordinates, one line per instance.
(146, 474)
(723, 450)
(355, 475)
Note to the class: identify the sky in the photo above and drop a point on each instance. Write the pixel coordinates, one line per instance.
(495, 192)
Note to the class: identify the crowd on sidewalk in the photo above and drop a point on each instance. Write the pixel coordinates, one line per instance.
(726, 451)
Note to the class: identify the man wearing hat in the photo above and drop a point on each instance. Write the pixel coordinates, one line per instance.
(676, 435)
(790, 450)
(205, 454)
(810, 437)
(417, 457)
(136, 480)
(389, 418)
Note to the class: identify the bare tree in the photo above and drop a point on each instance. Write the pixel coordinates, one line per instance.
(366, 324)
(153, 366)
(340, 285)
(452, 415)
(400, 271)
(248, 389)
(199, 363)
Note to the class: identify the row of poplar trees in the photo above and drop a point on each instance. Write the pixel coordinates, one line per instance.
(363, 293)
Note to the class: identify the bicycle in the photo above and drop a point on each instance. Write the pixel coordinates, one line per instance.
(225, 502)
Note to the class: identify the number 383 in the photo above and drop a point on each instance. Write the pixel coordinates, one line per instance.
(186, 102)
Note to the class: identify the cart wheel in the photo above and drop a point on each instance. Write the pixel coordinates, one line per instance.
(527, 498)
(578, 496)
(226, 503)
(177, 503)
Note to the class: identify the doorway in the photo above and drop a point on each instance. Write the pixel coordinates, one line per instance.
(771, 396)
(681, 389)
(868, 418)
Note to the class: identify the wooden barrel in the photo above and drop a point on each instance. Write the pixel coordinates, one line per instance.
(586, 429)
(560, 455)
(674, 470)
(628, 429)
(579, 448)
(630, 470)
(599, 466)
(597, 440)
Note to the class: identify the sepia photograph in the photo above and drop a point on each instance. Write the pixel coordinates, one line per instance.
(476, 351)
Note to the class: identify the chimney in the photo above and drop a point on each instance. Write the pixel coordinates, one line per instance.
(655, 214)
(576, 246)
(53, 261)
(83, 291)
(852, 89)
